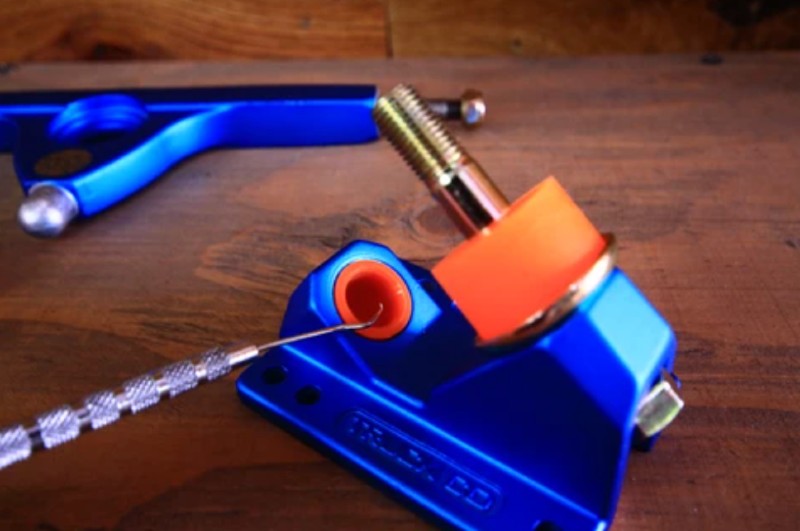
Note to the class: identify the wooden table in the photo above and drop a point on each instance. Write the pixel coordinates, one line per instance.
(695, 167)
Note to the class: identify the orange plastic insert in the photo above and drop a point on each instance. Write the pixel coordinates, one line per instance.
(522, 263)
(362, 287)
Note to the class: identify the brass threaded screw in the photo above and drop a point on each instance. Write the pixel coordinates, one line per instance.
(395, 124)
(429, 125)
(460, 185)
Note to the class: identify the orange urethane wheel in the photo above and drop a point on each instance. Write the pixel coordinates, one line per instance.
(362, 287)
(522, 263)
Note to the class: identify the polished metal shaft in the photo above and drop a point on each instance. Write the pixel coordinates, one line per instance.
(100, 409)
(460, 185)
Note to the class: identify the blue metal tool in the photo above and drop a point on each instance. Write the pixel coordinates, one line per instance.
(77, 153)
(474, 437)
(397, 378)
(527, 431)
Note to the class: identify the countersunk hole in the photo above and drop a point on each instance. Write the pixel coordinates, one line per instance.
(275, 375)
(62, 163)
(308, 395)
(546, 526)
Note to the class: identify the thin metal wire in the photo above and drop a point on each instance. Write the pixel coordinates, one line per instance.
(321, 332)
(66, 423)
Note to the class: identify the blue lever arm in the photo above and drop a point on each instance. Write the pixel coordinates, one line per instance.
(98, 147)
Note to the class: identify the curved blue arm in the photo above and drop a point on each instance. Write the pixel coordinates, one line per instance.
(113, 143)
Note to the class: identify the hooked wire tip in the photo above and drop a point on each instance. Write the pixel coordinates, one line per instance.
(366, 324)
(322, 331)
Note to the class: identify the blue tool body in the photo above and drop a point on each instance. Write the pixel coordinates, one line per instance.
(533, 434)
(130, 137)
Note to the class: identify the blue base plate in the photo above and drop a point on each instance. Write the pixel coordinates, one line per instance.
(474, 438)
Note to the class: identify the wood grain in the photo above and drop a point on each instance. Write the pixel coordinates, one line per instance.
(206, 29)
(693, 166)
(46, 30)
(555, 27)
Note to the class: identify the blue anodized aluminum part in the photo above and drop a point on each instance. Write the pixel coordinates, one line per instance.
(120, 140)
(474, 438)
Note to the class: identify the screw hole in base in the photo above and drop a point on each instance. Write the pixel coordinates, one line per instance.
(308, 395)
(546, 526)
(275, 375)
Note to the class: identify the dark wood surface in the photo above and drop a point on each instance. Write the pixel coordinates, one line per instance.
(580, 27)
(695, 167)
(43, 30)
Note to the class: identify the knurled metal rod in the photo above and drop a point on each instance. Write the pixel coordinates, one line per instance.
(66, 423)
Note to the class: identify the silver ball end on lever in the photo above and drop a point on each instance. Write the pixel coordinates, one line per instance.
(47, 210)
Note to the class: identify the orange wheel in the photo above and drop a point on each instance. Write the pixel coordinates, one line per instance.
(522, 263)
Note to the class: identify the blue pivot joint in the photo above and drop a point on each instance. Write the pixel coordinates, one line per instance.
(531, 435)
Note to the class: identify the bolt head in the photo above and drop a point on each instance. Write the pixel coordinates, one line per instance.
(473, 108)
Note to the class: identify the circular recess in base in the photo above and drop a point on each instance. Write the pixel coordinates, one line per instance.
(362, 288)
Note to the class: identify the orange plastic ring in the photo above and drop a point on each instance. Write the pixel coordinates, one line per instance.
(521, 264)
(360, 290)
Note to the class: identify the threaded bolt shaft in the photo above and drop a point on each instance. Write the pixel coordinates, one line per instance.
(396, 125)
(429, 125)
(461, 186)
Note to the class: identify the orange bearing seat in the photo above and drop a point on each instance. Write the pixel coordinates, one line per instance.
(366, 286)
(522, 263)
